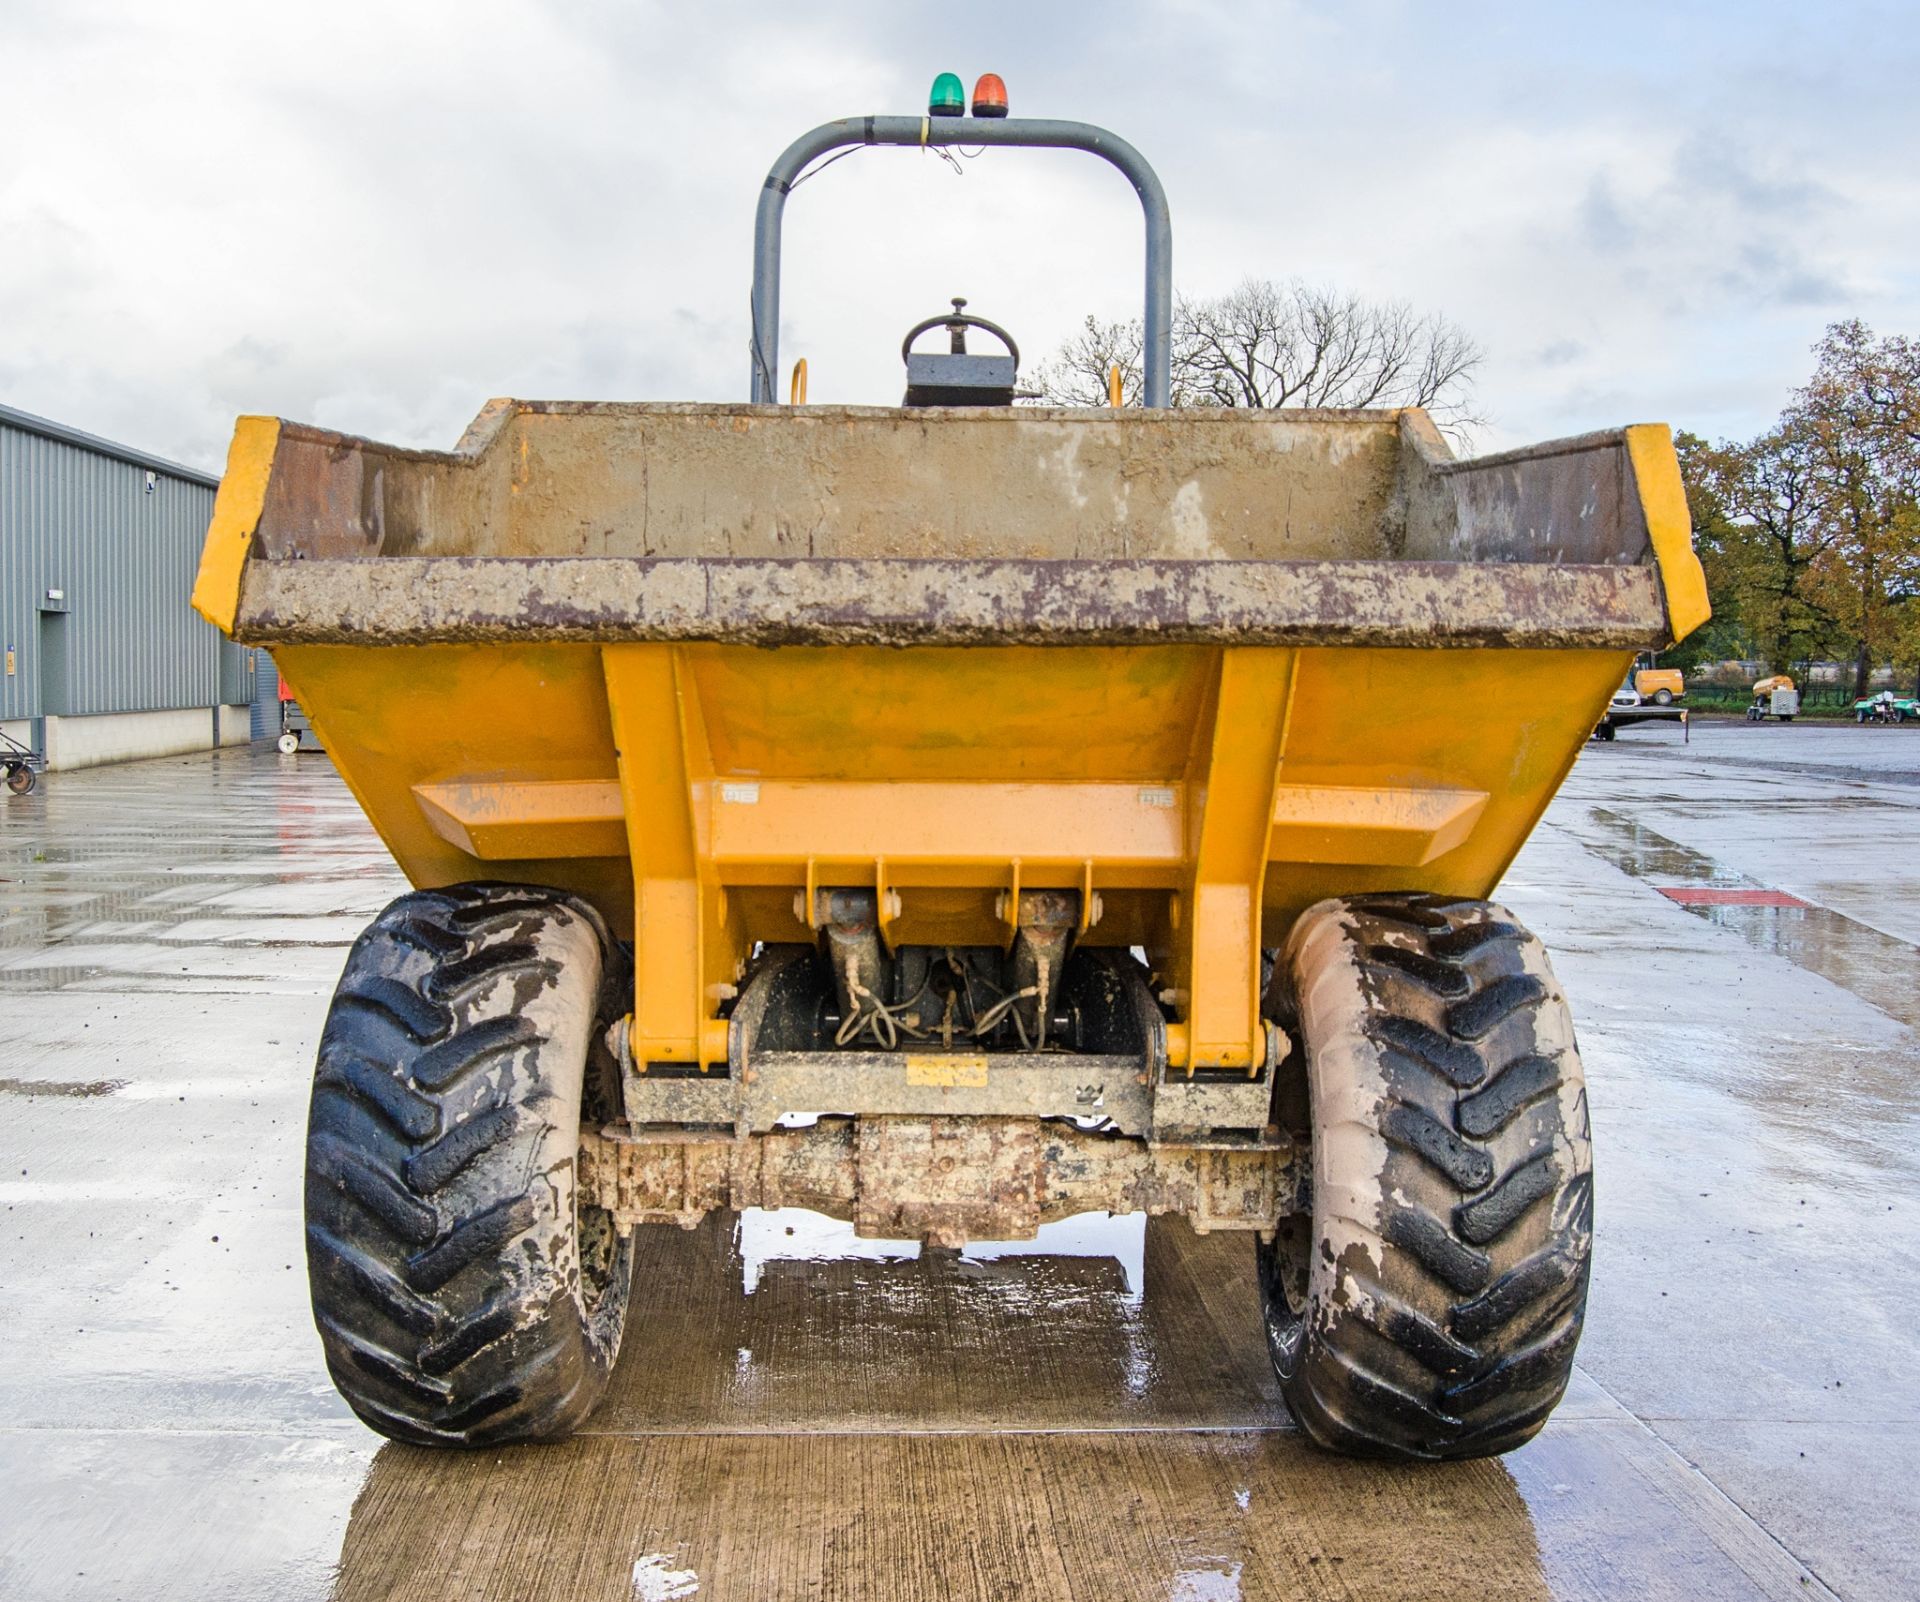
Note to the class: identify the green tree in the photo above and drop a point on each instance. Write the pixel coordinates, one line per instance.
(1760, 533)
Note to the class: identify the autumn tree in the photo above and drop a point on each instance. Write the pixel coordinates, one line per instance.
(1860, 415)
(1291, 344)
(1810, 532)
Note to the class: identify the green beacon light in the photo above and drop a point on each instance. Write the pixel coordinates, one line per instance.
(948, 97)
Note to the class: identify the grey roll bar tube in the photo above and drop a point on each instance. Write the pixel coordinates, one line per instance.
(1026, 132)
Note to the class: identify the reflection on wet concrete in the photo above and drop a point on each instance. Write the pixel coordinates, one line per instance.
(796, 1235)
(1876, 967)
(199, 1514)
(941, 1341)
(155, 876)
(936, 1428)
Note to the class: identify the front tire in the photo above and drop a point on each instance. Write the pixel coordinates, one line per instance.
(462, 1296)
(1429, 1305)
(21, 779)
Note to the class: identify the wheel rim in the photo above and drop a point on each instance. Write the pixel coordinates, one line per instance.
(1283, 1264)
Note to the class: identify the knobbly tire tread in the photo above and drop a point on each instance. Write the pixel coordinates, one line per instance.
(461, 1297)
(1435, 1042)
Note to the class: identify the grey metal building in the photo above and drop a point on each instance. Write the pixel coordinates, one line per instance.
(104, 659)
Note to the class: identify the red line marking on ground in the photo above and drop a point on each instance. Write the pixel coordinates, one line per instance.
(1699, 895)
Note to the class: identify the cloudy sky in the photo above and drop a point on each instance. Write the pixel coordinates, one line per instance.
(375, 216)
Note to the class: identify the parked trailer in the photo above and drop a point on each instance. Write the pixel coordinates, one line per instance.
(1774, 697)
(1619, 717)
(761, 760)
(20, 764)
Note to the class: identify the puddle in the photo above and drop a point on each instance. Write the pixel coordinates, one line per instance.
(654, 1581)
(1220, 1584)
(1880, 970)
(797, 1235)
(794, 1234)
(1120, 1236)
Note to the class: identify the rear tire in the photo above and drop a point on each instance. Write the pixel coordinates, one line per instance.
(1663, 698)
(462, 1297)
(1429, 1305)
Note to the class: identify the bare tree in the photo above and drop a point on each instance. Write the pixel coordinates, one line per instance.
(1292, 344)
(1076, 374)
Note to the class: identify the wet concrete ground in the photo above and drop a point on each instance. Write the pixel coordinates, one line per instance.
(865, 1423)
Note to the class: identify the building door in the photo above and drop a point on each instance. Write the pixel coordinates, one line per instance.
(56, 666)
(265, 724)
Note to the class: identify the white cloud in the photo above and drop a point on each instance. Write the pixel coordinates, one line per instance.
(376, 216)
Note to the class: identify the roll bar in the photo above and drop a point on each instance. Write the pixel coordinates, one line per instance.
(1032, 133)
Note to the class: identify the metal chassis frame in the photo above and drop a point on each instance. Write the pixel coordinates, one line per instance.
(949, 1145)
(1029, 133)
(1137, 1094)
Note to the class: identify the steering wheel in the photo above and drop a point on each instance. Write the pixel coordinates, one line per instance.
(956, 320)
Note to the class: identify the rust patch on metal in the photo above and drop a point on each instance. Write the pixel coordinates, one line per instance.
(947, 1179)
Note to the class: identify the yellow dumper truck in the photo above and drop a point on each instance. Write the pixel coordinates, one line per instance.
(951, 817)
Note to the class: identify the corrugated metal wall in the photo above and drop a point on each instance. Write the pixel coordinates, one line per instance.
(84, 521)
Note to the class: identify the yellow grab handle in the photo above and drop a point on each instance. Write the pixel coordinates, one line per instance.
(797, 394)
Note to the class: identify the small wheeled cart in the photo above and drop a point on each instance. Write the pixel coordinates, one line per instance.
(21, 763)
(296, 733)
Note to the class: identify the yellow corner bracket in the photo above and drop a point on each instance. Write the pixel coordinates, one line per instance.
(1663, 501)
(236, 517)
